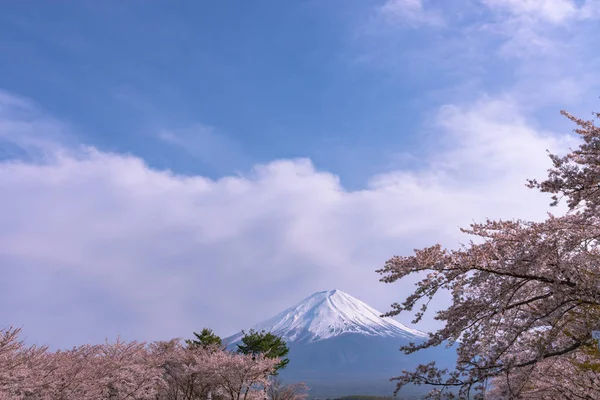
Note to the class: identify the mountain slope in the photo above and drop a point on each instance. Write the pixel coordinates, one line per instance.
(329, 314)
(339, 345)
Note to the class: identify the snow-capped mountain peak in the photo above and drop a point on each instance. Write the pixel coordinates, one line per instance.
(332, 313)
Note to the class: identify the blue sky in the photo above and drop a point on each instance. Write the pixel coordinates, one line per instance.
(172, 165)
(268, 79)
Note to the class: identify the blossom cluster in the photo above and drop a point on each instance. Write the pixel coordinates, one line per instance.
(163, 370)
(525, 296)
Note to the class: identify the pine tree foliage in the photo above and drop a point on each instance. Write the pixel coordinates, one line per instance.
(267, 344)
(207, 338)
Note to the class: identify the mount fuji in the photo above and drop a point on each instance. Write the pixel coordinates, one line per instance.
(339, 346)
(329, 314)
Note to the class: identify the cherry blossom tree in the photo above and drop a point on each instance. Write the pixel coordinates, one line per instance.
(193, 372)
(570, 377)
(525, 295)
(278, 391)
(243, 376)
(129, 370)
(15, 362)
(184, 378)
(67, 375)
(111, 371)
(190, 372)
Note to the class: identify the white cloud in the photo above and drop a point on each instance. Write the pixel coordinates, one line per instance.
(534, 27)
(590, 10)
(537, 51)
(93, 244)
(20, 124)
(411, 13)
(554, 11)
(206, 144)
(528, 27)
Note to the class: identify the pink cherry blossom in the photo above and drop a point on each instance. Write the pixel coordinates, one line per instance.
(525, 295)
(129, 370)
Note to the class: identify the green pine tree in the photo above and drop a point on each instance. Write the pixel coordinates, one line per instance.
(267, 344)
(205, 339)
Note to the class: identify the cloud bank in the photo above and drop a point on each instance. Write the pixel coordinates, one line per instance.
(95, 244)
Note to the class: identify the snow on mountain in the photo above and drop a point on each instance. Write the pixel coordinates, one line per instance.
(329, 314)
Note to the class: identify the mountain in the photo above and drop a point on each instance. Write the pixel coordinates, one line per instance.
(329, 314)
(339, 346)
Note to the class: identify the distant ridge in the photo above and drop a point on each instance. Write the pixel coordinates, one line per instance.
(329, 314)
